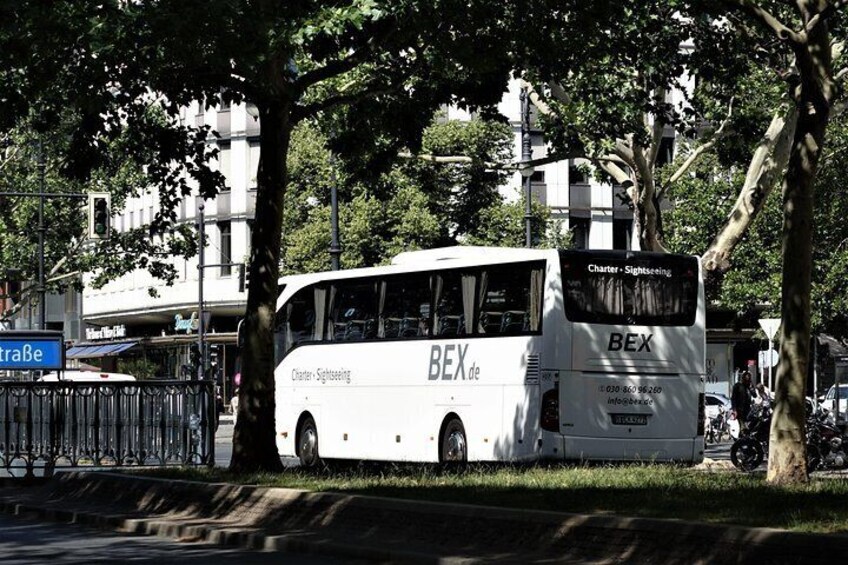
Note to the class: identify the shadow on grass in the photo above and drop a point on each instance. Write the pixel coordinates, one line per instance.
(641, 490)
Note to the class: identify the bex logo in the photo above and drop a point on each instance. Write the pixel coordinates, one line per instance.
(627, 342)
(448, 363)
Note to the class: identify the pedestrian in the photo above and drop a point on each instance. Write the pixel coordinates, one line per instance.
(740, 399)
(234, 402)
(763, 396)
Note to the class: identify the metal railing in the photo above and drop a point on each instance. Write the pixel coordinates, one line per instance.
(49, 426)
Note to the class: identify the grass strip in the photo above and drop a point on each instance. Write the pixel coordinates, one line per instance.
(643, 490)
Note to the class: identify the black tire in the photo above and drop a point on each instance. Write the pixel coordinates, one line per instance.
(453, 446)
(307, 444)
(747, 454)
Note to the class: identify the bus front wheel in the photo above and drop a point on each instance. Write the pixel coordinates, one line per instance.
(308, 443)
(454, 447)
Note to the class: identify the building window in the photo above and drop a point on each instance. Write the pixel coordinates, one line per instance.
(538, 188)
(576, 174)
(224, 104)
(225, 248)
(622, 232)
(665, 155)
(580, 229)
(253, 164)
(225, 152)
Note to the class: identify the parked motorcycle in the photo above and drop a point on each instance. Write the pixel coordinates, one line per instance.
(748, 452)
(827, 440)
(718, 427)
(824, 441)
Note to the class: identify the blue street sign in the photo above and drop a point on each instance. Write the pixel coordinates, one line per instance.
(23, 351)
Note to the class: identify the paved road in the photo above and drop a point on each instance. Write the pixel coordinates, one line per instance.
(224, 446)
(24, 541)
(719, 451)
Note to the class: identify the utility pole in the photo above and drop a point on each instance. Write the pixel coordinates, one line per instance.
(201, 326)
(526, 170)
(42, 312)
(335, 247)
(42, 229)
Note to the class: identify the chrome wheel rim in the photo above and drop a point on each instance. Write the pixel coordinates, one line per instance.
(456, 446)
(308, 446)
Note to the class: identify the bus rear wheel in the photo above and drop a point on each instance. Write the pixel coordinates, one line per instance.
(307, 443)
(453, 446)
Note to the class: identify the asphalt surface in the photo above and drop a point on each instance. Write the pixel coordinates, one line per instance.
(25, 541)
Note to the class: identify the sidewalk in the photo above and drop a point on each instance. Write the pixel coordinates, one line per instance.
(383, 529)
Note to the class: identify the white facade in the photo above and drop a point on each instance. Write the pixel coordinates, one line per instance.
(226, 224)
(596, 212)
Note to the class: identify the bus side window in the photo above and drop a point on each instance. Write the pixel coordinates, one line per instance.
(300, 320)
(405, 307)
(300, 317)
(455, 298)
(510, 299)
(353, 311)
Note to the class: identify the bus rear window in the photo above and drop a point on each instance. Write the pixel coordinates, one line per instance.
(628, 288)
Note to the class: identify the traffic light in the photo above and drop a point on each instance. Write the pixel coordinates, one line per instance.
(99, 215)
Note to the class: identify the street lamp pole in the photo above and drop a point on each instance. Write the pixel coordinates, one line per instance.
(335, 247)
(42, 316)
(201, 327)
(526, 171)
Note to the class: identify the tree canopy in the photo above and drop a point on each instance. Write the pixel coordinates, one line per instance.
(114, 61)
(408, 203)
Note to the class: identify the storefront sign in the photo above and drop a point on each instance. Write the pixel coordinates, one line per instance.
(106, 332)
(719, 368)
(31, 351)
(186, 325)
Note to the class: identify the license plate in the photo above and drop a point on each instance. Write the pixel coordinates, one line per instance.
(630, 419)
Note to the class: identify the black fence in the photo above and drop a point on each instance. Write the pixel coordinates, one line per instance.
(50, 426)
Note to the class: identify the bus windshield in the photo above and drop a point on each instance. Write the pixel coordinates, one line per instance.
(645, 289)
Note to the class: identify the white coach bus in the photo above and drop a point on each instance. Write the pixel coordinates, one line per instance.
(494, 354)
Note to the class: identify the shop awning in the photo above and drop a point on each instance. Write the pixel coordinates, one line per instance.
(99, 350)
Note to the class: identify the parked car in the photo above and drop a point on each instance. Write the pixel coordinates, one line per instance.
(829, 401)
(86, 377)
(712, 401)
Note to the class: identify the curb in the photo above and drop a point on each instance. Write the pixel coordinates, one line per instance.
(224, 537)
(382, 529)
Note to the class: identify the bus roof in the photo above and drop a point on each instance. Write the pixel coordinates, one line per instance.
(459, 252)
(433, 258)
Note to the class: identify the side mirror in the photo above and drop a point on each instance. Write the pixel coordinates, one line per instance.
(820, 398)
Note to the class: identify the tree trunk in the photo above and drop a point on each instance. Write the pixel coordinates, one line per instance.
(787, 462)
(647, 204)
(769, 161)
(787, 453)
(254, 442)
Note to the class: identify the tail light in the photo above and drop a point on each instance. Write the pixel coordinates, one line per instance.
(701, 414)
(550, 410)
